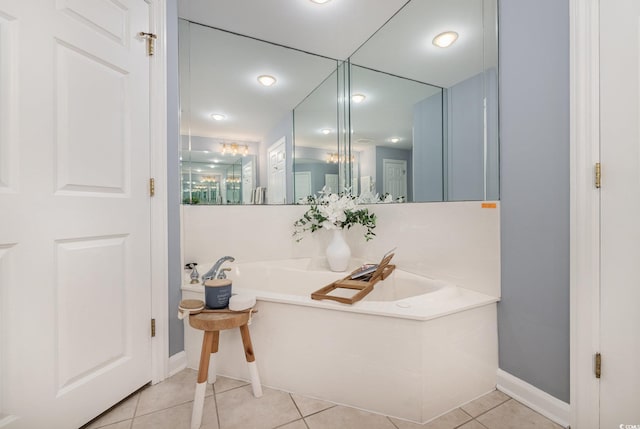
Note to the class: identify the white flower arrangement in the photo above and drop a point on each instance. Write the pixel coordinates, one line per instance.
(334, 211)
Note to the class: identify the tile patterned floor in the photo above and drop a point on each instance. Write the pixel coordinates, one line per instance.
(230, 405)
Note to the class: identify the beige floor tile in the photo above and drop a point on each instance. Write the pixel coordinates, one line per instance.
(175, 390)
(308, 406)
(513, 414)
(485, 403)
(450, 420)
(178, 417)
(298, 424)
(473, 424)
(344, 417)
(223, 384)
(239, 409)
(124, 410)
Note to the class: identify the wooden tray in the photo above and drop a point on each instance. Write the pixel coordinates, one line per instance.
(363, 287)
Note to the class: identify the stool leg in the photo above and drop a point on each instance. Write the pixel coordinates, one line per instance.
(212, 360)
(251, 361)
(198, 400)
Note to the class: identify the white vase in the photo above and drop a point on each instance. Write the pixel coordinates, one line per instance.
(338, 252)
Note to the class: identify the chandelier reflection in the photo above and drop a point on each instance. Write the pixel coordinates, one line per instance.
(208, 179)
(334, 158)
(235, 149)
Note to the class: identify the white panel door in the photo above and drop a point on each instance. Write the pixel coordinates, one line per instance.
(248, 182)
(620, 213)
(74, 209)
(302, 185)
(331, 183)
(394, 176)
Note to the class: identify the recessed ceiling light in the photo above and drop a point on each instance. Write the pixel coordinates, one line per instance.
(325, 131)
(358, 98)
(446, 39)
(395, 140)
(266, 80)
(320, 1)
(218, 116)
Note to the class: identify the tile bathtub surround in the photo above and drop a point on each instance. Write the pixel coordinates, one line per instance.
(233, 406)
(432, 239)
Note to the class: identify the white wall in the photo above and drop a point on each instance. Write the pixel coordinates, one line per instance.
(457, 242)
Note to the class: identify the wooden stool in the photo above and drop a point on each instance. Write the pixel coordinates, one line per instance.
(212, 324)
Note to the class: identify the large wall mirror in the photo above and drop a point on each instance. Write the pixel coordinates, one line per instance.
(236, 125)
(401, 117)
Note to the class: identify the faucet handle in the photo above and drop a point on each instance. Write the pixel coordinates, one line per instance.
(221, 274)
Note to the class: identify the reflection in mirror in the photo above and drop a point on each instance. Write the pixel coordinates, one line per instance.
(397, 124)
(236, 126)
(316, 137)
(401, 116)
(211, 177)
(449, 137)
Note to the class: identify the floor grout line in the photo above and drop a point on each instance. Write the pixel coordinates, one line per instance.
(318, 412)
(215, 402)
(165, 408)
(462, 424)
(135, 410)
(394, 425)
(288, 423)
(509, 398)
(296, 405)
(481, 423)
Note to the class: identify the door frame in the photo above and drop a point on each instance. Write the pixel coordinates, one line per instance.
(584, 211)
(158, 170)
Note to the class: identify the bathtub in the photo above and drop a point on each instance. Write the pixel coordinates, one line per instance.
(414, 348)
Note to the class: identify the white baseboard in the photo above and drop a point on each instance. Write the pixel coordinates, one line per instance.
(177, 363)
(534, 398)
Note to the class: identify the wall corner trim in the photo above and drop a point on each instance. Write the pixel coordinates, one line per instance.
(177, 363)
(534, 398)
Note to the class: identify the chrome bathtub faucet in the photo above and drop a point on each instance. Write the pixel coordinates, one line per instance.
(215, 271)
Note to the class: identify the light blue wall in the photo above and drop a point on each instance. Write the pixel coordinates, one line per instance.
(176, 333)
(533, 316)
(427, 149)
(318, 170)
(465, 141)
(493, 146)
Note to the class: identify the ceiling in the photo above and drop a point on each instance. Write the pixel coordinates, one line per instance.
(334, 29)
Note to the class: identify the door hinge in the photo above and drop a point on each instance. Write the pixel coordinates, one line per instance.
(598, 175)
(153, 328)
(598, 366)
(152, 186)
(151, 41)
